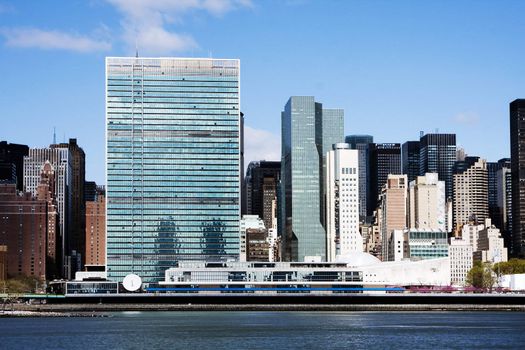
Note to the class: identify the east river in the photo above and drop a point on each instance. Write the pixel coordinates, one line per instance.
(268, 330)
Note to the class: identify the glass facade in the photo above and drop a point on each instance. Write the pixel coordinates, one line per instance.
(173, 163)
(427, 244)
(306, 131)
(437, 155)
(361, 143)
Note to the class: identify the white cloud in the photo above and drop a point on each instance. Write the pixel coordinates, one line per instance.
(467, 118)
(260, 145)
(52, 39)
(145, 22)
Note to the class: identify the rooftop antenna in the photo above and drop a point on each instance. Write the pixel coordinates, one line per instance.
(54, 135)
(421, 134)
(64, 138)
(136, 49)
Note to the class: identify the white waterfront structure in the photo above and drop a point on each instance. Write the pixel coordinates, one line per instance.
(342, 202)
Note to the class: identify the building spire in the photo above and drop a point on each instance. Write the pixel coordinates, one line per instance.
(54, 135)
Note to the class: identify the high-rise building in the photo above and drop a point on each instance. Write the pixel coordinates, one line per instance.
(517, 161)
(77, 224)
(12, 163)
(173, 163)
(362, 144)
(23, 229)
(504, 199)
(261, 184)
(307, 130)
(96, 228)
(438, 155)
(427, 203)
(385, 159)
(470, 191)
(393, 208)
(3, 263)
(90, 191)
(410, 160)
(490, 244)
(342, 204)
(60, 161)
(492, 190)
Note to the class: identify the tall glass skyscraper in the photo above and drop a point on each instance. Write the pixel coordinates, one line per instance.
(307, 130)
(173, 163)
(362, 144)
(437, 154)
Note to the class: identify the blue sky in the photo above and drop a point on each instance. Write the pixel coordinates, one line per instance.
(396, 67)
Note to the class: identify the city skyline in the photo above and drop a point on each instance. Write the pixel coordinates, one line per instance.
(469, 68)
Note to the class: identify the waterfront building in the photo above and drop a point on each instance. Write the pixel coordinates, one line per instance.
(461, 260)
(490, 247)
(173, 128)
(385, 159)
(427, 244)
(361, 143)
(12, 163)
(60, 161)
(252, 231)
(410, 160)
(261, 184)
(427, 205)
(438, 155)
(356, 271)
(517, 157)
(308, 132)
(342, 202)
(393, 209)
(77, 216)
(96, 228)
(470, 191)
(23, 229)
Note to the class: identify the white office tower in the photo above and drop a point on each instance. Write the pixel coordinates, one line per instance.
(427, 203)
(461, 261)
(342, 202)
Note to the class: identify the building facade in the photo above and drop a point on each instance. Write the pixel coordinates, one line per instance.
(470, 191)
(252, 223)
(517, 160)
(385, 159)
(438, 155)
(461, 260)
(96, 228)
(342, 202)
(410, 160)
(12, 163)
(361, 143)
(23, 229)
(77, 224)
(261, 184)
(60, 160)
(393, 206)
(173, 163)
(504, 198)
(427, 203)
(307, 130)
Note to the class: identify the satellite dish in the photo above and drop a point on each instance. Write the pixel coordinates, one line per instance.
(132, 282)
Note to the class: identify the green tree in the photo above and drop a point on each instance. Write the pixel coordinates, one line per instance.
(481, 276)
(511, 267)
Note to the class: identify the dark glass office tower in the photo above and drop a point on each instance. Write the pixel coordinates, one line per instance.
(438, 155)
(362, 144)
(385, 159)
(410, 159)
(517, 162)
(492, 170)
(261, 183)
(12, 163)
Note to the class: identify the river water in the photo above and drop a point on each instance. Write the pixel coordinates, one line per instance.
(269, 331)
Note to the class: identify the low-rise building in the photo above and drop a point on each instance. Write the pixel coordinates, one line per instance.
(460, 254)
(490, 247)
